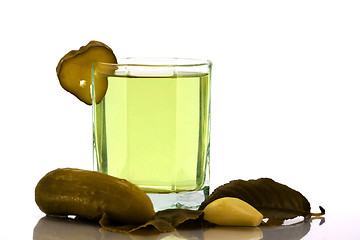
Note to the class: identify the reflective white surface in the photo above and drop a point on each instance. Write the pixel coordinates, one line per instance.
(332, 227)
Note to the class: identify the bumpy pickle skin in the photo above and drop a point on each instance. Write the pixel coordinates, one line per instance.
(74, 70)
(89, 194)
(229, 211)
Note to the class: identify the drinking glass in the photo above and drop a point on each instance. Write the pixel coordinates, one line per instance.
(151, 126)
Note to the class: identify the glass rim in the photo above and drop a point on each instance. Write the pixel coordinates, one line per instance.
(158, 62)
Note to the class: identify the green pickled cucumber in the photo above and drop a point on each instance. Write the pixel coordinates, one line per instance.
(74, 71)
(90, 194)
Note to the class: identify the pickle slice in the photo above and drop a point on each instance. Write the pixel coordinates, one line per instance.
(74, 70)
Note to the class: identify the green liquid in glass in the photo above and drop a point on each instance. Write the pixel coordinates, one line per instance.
(154, 131)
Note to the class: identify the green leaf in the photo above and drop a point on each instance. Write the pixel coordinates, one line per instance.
(275, 201)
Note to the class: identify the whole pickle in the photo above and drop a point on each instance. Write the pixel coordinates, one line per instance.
(90, 194)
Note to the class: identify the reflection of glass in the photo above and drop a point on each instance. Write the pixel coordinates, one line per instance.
(152, 127)
(232, 233)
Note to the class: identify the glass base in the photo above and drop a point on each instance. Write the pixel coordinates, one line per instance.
(183, 200)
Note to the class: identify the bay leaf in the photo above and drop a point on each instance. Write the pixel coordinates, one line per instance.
(274, 200)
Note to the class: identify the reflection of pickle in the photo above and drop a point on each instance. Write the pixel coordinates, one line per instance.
(232, 233)
(65, 228)
(54, 228)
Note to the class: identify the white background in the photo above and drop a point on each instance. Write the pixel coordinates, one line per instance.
(285, 89)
